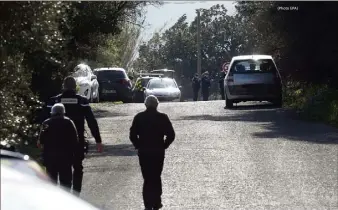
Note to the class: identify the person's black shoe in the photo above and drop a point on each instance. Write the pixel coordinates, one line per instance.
(157, 207)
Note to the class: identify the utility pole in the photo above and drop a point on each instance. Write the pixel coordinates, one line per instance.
(198, 43)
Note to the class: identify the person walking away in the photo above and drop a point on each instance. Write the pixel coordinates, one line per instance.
(147, 135)
(59, 140)
(196, 84)
(183, 91)
(205, 86)
(221, 85)
(78, 110)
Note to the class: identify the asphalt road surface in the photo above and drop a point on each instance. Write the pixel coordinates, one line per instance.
(251, 157)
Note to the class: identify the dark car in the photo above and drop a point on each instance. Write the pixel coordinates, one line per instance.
(114, 84)
(138, 90)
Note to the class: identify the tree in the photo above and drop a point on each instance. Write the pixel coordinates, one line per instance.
(40, 44)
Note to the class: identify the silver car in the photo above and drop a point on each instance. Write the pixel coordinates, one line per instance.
(165, 89)
(253, 78)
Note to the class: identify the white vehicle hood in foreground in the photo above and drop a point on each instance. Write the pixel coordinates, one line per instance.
(21, 191)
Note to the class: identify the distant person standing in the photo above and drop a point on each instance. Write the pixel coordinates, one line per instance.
(59, 141)
(221, 84)
(183, 90)
(147, 135)
(196, 85)
(205, 82)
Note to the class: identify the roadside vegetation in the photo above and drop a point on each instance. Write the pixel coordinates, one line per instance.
(41, 42)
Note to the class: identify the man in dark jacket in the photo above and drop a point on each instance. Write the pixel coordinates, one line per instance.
(78, 110)
(221, 85)
(196, 84)
(205, 86)
(59, 140)
(147, 135)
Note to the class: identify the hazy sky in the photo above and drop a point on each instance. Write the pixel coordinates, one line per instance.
(168, 14)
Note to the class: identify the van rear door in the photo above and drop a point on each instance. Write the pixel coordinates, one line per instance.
(253, 77)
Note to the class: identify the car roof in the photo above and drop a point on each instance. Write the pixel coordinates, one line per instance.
(162, 78)
(248, 57)
(147, 77)
(110, 69)
(15, 155)
(164, 70)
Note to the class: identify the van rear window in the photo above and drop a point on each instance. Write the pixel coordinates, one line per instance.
(253, 66)
(114, 74)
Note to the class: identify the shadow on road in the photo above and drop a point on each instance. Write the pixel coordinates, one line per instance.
(277, 123)
(112, 150)
(99, 113)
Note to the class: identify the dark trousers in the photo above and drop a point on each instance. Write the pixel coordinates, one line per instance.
(78, 167)
(151, 167)
(78, 172)
(205, 94)
(195, 96)
(182, 95)
(60, 170)
(222, 93)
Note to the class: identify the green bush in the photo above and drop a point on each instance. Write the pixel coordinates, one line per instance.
(314, 102)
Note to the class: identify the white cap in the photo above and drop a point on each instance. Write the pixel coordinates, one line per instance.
(58, 109)
(151, 101)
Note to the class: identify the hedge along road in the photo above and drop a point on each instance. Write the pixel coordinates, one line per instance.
(252, 157)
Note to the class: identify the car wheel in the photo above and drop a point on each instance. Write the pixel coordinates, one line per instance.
(278, 102)
(127, 100)
(228, 103)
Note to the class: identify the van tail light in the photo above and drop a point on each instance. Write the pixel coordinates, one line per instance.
(230, 77)
(126, 82)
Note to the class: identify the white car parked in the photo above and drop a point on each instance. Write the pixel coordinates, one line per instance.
(86, 81)
(165, 89)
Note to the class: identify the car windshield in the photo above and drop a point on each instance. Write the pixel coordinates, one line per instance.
(159, 83)
(113, 74)
(253, 66)
(80, 72)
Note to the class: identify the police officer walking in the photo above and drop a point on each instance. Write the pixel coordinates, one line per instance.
(196, 84)
(78, 110)
(205, 86)
(147, 135)
(59, 141)
(221, 85)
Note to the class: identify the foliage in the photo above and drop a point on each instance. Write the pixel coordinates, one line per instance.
(313, 102)
(40, 44)
(176, 47)
(120, 49)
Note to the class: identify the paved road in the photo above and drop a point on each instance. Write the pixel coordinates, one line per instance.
(253, 157)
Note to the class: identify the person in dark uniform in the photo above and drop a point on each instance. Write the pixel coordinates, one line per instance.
(221, 84)
(183, 90)
(205, 82)
(196, 85)
(147, 135)
(59, 140)
(78, 110)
